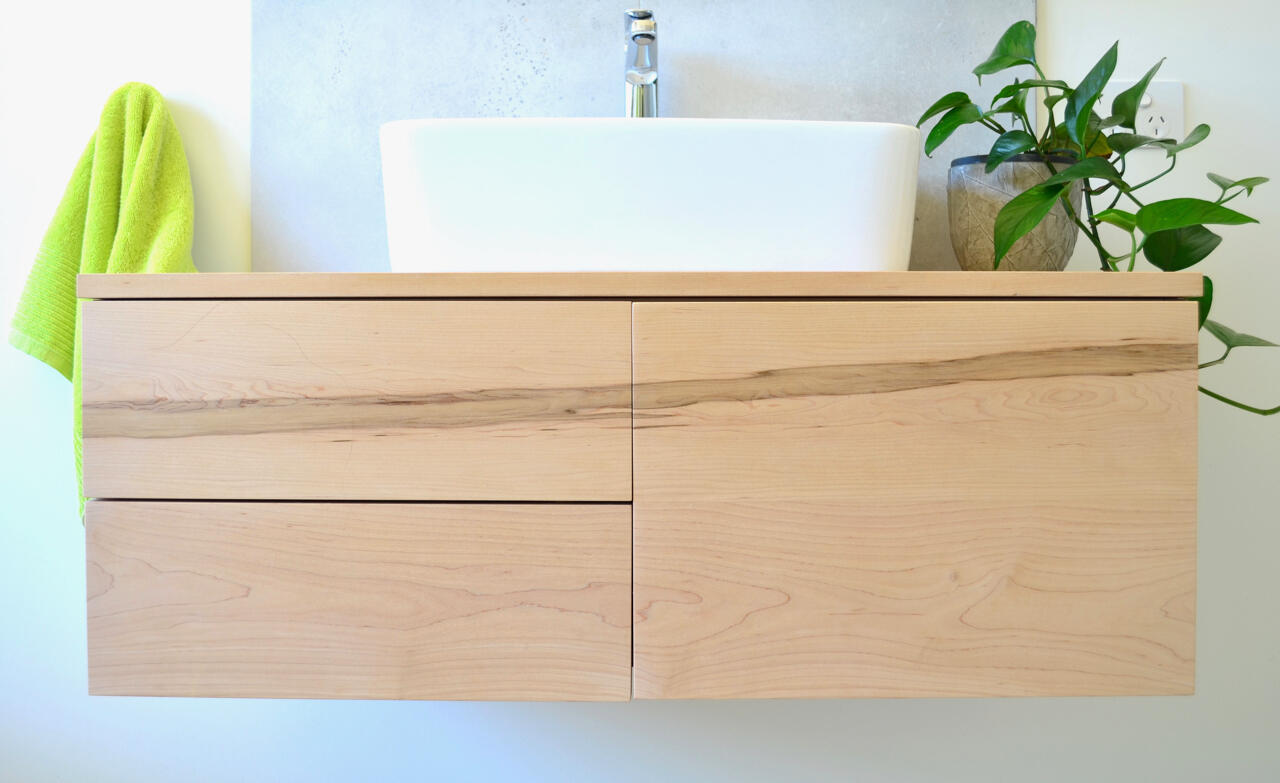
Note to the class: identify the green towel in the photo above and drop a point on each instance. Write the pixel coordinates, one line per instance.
(128, 208)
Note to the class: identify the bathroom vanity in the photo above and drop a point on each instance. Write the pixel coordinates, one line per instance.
(651, 485)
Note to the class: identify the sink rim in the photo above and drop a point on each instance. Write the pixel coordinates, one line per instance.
(652, 121)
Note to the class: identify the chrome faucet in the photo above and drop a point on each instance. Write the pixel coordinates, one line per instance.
(641, 64)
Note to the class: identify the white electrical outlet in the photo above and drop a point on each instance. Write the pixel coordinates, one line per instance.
(1160, 113)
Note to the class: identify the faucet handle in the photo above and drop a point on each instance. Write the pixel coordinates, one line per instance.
(640, 22)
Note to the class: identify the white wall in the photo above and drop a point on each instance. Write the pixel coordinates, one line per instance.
(58, 63)
(49, 730)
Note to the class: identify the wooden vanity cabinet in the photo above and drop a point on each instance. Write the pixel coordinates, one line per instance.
(612, 486)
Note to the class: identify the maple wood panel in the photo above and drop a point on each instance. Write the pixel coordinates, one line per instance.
(351, 600)
(640, 285)
(365, 400)
(914, 498)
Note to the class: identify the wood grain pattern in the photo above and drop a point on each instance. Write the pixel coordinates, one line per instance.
(644, 285)
(365, 400)
(383, 601)
(914, 498)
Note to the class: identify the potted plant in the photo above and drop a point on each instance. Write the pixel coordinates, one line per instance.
(1079, 160)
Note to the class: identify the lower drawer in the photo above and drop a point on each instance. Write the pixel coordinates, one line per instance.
(357, 600)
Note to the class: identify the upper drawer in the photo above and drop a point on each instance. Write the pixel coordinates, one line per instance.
(362, 399)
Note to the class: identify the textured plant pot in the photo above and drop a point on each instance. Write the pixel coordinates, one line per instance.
(974, 197)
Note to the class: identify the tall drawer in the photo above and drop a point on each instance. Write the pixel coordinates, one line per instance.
(840, 499)
(358, 399)
(360, 600)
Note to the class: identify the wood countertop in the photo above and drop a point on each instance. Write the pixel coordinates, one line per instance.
(647, 285)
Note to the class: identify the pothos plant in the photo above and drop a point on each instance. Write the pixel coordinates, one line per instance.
(1171, 234)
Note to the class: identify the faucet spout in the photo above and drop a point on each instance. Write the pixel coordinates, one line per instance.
(641, 63)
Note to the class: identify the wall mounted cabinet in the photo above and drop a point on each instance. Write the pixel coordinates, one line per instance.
(606, 486)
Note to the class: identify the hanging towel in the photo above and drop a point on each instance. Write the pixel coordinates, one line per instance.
(128, 208)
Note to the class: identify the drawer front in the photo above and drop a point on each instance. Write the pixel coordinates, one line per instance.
(914, 498)
(361, 400)
(350, 600)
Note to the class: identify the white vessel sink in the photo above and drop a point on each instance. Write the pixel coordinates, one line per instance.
(507, 195)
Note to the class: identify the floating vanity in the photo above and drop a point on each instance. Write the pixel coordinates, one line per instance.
(651, 485)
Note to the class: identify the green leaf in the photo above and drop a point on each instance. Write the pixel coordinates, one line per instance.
(1017, 86)
(1008, 145)
(1206, 299)
(1225, 183)
(1015, 105)
(1125, 105)
(1124, 143)
(1248, 183)
(1089, 168)
(948, 101)
(1098, 145)
(1009, 90)
(1052, 100)
(1022, 214)
(1198, 134)
(1080, 103)
(1016, 47)
(1233, 339)
(1059, 142)
(1179, 248)
(960, 115)
(1118, 217)
(1179, 212)
(1237, 404)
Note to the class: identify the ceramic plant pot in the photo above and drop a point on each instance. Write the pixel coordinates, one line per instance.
(974, 197)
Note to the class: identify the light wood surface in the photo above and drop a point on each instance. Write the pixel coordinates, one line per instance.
(645, 285)
(382, 601)
(365, 400)
(914, 499)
